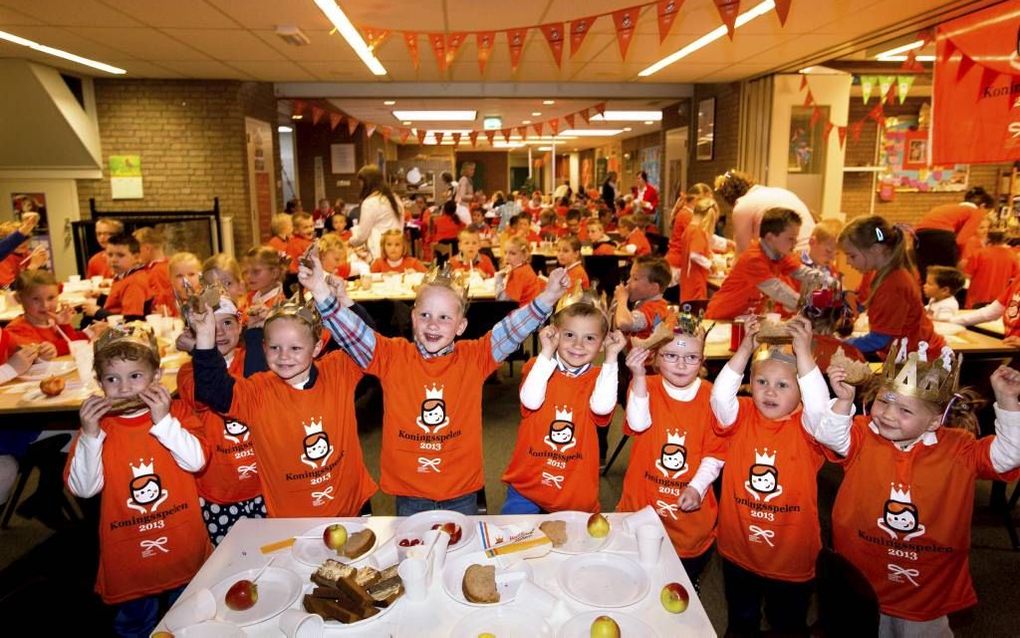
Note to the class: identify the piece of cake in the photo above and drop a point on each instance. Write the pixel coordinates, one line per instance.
(857, 372)
(358, 543)
(774, 332)
(354, 591)
(386, 592)
(479, 584)
(366, 576)
(331, 571)
(556, 531)
(330, 610)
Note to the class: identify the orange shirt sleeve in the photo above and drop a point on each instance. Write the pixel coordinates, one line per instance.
(885, 312)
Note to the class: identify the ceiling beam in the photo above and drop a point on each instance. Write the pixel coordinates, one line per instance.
(476, 90)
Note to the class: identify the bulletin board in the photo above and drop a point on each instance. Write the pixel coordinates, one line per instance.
(904, 154)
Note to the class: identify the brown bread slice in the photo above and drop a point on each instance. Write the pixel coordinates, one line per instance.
(479, 584)
(556, 531)
(358, 543)
(330, 610)
(355, 592)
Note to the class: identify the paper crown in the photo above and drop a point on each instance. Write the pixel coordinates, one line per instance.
(579, 295)
(296, 307)
(143, 468)
(775, 352)
(136, 332)
(447, 277)
(678, 322)
(764, 458)
(688, 323)
(911, 374)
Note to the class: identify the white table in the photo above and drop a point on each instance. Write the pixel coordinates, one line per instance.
(438, 614)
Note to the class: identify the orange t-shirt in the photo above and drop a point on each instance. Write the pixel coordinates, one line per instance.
(604, 248)
(306, 441)
(739, 291)
(680, 224)
(1010, 300)
(655, 310)
(296, 246)
(432, 417)
(406, 263)
(768, 508)
(523, 285)
(960, 219)
(895, 309)
(151, 534)
(555, 463)
(24, 333)
(991, 269)
(98, 266)
(277, 243)
(128, 294)
(638, 238)
(577, 274)
(693, 278)
(444, 228)
(161, 291)
(912, 544)
(663, 460)
(231, 473)
(482, 264)
(10, 266)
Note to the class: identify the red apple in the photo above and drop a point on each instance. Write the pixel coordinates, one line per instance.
(605, 627)
(598, 526)
(452, 529)
(52, 386)
(674, 598)
(335, 537)
(242, 595)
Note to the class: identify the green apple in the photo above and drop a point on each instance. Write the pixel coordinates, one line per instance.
(598, 526)
(674, 598)
(605, 627)
(335, 537)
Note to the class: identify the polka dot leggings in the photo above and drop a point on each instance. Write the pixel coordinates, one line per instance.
(220, 517)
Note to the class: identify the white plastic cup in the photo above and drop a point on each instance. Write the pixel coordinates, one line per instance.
(387, 555)
(439, 548)
(414, 573)
(156, 322)
(115, 320)
(649, 544)
(197, 608)
(74, 279)
(297, 623)
(645, 516)
(97, 281)
(82, 353)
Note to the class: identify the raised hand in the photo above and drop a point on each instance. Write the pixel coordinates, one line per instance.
(28, 223)
(185, 341)
(837, 379)
(92, 410)
(636, 359)
(1006, 385)
(614, 344)
(158, 399)
(559, 283)
(549, 337)
(312, 276)
(800, 329)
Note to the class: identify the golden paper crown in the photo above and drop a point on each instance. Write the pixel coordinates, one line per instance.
(137, 332)
(775, 352)
(911, 374)
(296, 307)
(688, 323)
(447, 277)
(579, 295)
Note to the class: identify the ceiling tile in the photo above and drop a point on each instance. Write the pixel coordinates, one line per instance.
(74, 12)
(226, 43)
(155, 44)
(180, 14)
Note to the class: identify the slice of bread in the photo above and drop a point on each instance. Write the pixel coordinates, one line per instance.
(556, 531)
(367, 576)
(330, 610)
(331, 571)
(479, 584)
(358, 543)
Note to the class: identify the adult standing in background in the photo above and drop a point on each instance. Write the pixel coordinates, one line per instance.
(944, 231)
(750, 201)
(647, 199)
(465, 193)
(380, 211)
(609, 191)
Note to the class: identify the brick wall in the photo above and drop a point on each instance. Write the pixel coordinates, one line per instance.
(727, 129)
(492, 172)
(191, 138)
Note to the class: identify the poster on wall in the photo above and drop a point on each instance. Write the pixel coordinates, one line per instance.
(126, 177)
(705, 149)
(22, 203)
(651, 163)
(261, 171)
(904, 156)
(341, 158)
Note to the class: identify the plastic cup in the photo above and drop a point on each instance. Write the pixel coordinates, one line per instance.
(439, 547)
(387, 555)
(197, 608)
(156, 321)
(649, 544)
(115, 320)
(297, 623)
(74, 279)
(414, 573)
(97, 281)
(82, 353)
(644, 516)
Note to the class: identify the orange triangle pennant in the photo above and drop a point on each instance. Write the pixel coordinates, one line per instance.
(352, 125)
(334, 120)
(600, 108)
(826, 130)
(386, 131)
(585, 116)
(554, 36)
(490, 135)
(369, 129)
(569, 119)
(473, 136)
(538, 129)
(439, 136)
(554, 126)
(841, 131)
(420, 133)
(578, 29)
(404, 133)
(523, 132)
(411, 40)
(506, 134)
(453, 42)
(374, 37)
(625, 21)
(728, 11)
(515, 39)
(783, 10)
(484, 42)
(317, 114)
(438, 43)
(667, 11)
(456, 138)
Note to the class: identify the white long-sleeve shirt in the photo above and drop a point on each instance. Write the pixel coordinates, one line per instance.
(377, 216)
(603, 397)
(813, 396)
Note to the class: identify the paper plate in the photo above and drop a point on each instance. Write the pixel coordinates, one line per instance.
(504, 622)
(719, 334)
(43, 369)
(73, 391)
(313, 552)
(603, 580)
(333, 625)
(579, 541)
(279, 589)
(580, 626)
(508, 579)
(416, 525)
(210, 629)
(946, 328)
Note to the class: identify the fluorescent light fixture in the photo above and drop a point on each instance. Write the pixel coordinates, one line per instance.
(296, 116)
(627, 116)
(650, 122)
(536, 114)
(284, 129)
(916, 44)
(436, 116)
(545, 148)
(591, 132)
(709, 38)
(627, 129)
(492, 123)
(349, 33)
(60, 53)
(548, 102)
(389, 102)
(502, 144)
(525, 121)
(406, 123)
(903, 58)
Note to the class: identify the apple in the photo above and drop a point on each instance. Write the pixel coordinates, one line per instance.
(598, 526)
(335, 536)
(242, 595)
(452, 529)
(162, 634)
(605, 627)
(52, 386)
(674, 598)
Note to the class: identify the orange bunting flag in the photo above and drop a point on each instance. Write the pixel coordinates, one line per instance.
(841, 131)
(728, 11)
(375, 37)
(420, 133)
(826, 130)
(317, 114)
(523, 132)
(816, 115)
(554, 126)
(298, 107)
(569, 119)
(334, 120)
(473, 136)
(411, 40)
(490, 135)
(438, 43)
(554, 36)
(625, 21)
(783, 10)
(667, 11)
(809, 99)
(803, 81)
(876, 113)
(386, 131)
(484, 42)
(585, 116)
(453, 42)
(515, 39)
(506, 134)
(578, 29)
(538, 128)
(404, 133)
(600, 108)
(456, 138)
(369, 129)
(352, 125)
(439, 136)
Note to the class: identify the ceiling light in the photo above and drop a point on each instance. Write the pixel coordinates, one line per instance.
(436, 116)
(389, 102)
(507, 144)
(650, 122)
(292, 35)
(903, 58)
(545, 148)
(492, 123)
(525, 121)
(406, 122)
(592, 132)
(536, 114)
(548, 102)
(42, 48)
(349, 33)
(296, 116)
(709, 38)
(916, 44)
(627, 129)
(627, 116)
(284, 129)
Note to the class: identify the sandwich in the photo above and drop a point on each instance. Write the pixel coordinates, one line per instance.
(556, 531)
(479, 584)
(358, 543)
(857, 372)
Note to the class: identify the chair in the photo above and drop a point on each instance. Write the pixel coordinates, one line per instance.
(39, 455)
(606, 270)
(443, 249)
(660, 243)
(847, 604)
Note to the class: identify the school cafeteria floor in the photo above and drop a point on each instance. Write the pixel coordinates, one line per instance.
(47, 577)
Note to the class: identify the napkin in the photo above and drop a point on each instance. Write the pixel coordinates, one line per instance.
(511, 543)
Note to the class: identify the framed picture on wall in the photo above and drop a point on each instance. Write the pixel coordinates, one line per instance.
(705, 149)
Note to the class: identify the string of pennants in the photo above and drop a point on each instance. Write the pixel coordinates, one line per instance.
(445, 46)
(320, 111)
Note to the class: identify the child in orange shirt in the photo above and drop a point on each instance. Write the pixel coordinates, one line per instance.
(564, 400)
(517, 280)
(549, 228)
(903, 512)
(282, 227)
(1006, 307)
(130, 289)
(695, 258)
(300, 414)
(990, 270)
(304, 235)
(432, 387)
(894, 306)
(263, 270)
(98, 265)
(338, 225)
(23, 257)
(573, 225)
(394, 251)
(45, 321)
(630, 228)
(468, 258)
(184, 267)
(152, 540)
(673, 461)
(649, 277)
(769, 534)
(150, 253)
(333, 252)
(600, 243)
(568, 255)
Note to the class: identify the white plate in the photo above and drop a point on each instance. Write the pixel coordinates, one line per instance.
(416, 525)
(336, 624)
(946, 328)
(504, 622)
(279, 589)
(603, 580)
(43, 369)
(580, 626)
(508, 579)
(72, 390)
(210, 629)
(579, 541)
(313, 552)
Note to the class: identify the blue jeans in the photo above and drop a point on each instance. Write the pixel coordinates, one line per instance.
(137, 618)
(516, 503)
(466, 505)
